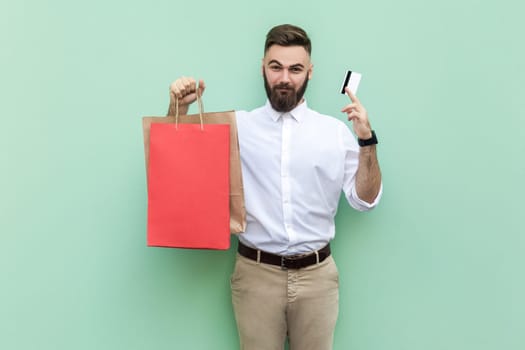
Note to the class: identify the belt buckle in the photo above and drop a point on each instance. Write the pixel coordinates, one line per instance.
(289, 262)
(283, 265)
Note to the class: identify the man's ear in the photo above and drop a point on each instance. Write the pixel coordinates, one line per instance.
(262, 66)
(310, 71)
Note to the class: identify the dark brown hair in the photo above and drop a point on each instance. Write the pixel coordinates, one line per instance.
(288, 35)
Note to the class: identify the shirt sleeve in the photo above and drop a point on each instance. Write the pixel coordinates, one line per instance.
(351, 152)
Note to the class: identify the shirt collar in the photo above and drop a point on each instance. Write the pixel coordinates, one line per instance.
(297, 113)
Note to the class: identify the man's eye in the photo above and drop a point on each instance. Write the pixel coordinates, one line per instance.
(275, 68)
(296, 70)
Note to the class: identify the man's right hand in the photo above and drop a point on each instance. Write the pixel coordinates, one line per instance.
(185, 90)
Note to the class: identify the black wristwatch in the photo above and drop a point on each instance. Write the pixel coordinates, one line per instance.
(368, 142)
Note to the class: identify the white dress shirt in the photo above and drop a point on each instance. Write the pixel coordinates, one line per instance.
(294, 167)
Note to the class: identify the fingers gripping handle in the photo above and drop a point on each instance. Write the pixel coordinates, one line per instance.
(200, 106)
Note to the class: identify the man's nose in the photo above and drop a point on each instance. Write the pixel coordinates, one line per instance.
(285, 76)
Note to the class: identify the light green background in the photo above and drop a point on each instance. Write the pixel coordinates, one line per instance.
(438, 265)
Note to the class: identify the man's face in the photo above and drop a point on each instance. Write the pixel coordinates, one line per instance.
(286, 71)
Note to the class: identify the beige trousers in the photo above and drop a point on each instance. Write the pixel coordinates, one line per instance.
(271, 304)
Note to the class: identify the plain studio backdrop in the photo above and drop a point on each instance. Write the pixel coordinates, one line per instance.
(438, 265)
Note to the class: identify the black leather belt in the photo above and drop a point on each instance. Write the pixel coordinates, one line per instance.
(285, 262)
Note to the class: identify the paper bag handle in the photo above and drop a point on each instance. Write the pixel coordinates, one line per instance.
(201, 110)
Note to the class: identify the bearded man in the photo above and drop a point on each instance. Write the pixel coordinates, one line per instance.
(295, 163)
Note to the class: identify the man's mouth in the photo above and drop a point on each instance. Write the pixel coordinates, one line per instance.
(284, 89)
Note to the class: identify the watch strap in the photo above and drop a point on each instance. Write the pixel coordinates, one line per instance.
(368, 142)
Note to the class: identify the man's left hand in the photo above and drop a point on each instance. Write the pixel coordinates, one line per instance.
(358, 115)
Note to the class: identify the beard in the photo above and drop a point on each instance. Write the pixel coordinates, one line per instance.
(283, 97)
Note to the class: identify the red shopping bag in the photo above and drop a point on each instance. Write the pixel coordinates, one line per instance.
(188, 186)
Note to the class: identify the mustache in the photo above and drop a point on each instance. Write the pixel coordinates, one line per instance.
(283, 86)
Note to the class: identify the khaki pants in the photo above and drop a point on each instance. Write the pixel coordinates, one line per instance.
(271, 303)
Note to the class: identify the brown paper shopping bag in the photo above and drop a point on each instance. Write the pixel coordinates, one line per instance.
(237, 209)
